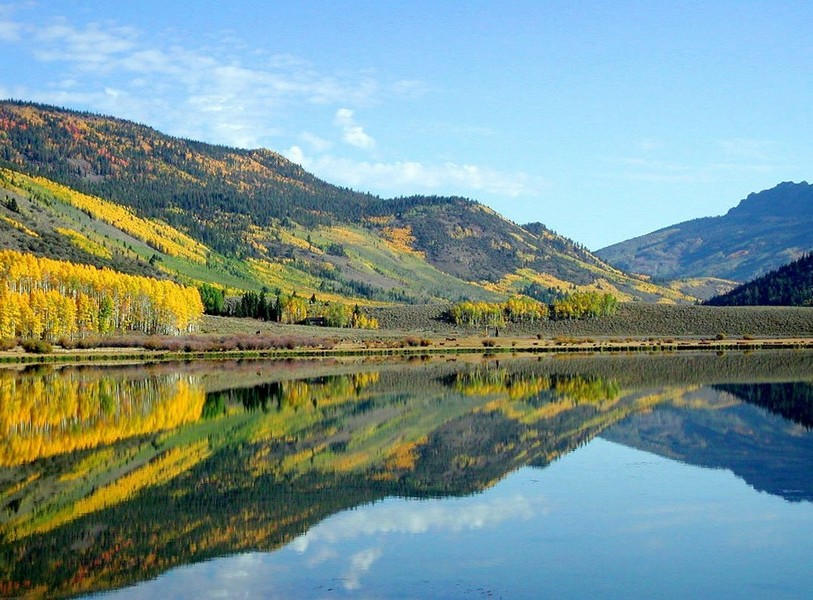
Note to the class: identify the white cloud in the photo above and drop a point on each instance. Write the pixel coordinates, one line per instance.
(9, 31)
(208, 94)
(352, 133)
(211, 94)
(88, 48)
(317, 143)
(295, 154)
(446, 178)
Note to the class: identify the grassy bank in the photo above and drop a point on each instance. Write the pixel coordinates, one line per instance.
(421, 330)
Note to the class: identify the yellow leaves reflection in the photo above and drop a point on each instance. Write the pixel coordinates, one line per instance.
(48, 413)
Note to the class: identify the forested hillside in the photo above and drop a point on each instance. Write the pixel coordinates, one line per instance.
(791, 285)
(763, 232)
(249, 219)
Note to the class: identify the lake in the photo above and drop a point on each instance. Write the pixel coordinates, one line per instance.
(612, 476)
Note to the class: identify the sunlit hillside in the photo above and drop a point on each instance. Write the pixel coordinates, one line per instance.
(112, 192)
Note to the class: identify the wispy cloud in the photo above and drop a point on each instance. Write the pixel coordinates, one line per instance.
(652, 170)
(317, 143)
(418, 177)
(413, 519)
(412, 88)
(94, 47)
(360, 563)
(191, 92)
(720, 159)
(223, 95)
(9, 32)
(352, 133)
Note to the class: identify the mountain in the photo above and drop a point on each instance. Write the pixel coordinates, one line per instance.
(257, 220)
(764, 231)
(790, 285)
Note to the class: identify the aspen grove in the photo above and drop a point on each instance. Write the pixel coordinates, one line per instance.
(50, 299)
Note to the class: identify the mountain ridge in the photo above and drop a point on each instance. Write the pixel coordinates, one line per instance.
(764, 231)
(285, 226)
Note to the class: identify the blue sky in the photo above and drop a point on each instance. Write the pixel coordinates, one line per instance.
(603, 120)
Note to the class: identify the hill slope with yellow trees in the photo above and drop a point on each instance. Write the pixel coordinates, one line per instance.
(113, 193)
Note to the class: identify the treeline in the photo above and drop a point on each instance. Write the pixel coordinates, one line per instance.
(521, 309)
(518, 309)
(48, 299)
(790, 285)
(285, 308)
(581, 305)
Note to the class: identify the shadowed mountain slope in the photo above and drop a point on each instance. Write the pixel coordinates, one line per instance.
(790, 285)
(764, 231)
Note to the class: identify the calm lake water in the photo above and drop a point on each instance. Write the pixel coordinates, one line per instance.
(609, 476)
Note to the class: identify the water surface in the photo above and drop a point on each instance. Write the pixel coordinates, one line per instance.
(611, 476)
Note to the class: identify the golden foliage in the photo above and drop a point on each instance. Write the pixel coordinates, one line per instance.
(401, 239)
(405, 456)
(41, 297)
(158, 471)
(88, 464)
(18, 225)
(380, 220)
(84, 243)
(156, 234)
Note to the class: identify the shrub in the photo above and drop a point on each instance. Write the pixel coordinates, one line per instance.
(88, 342)
(67, 343)
(721, 336)
(489, 343)
(37, 346)
(7, 344)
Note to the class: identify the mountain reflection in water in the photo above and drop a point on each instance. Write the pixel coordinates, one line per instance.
(111, 476)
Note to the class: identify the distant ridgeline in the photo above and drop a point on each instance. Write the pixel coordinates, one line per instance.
(791, 285)
(49, 299)
(763, 232)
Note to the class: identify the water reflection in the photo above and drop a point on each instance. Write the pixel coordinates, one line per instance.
(112, 476)
(46, 412)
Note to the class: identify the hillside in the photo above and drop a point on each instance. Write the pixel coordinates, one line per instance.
(765, 230)
(790, 285)
(257, 220)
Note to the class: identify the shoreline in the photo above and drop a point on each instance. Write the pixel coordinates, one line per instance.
(421, 330)
(437, 347)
